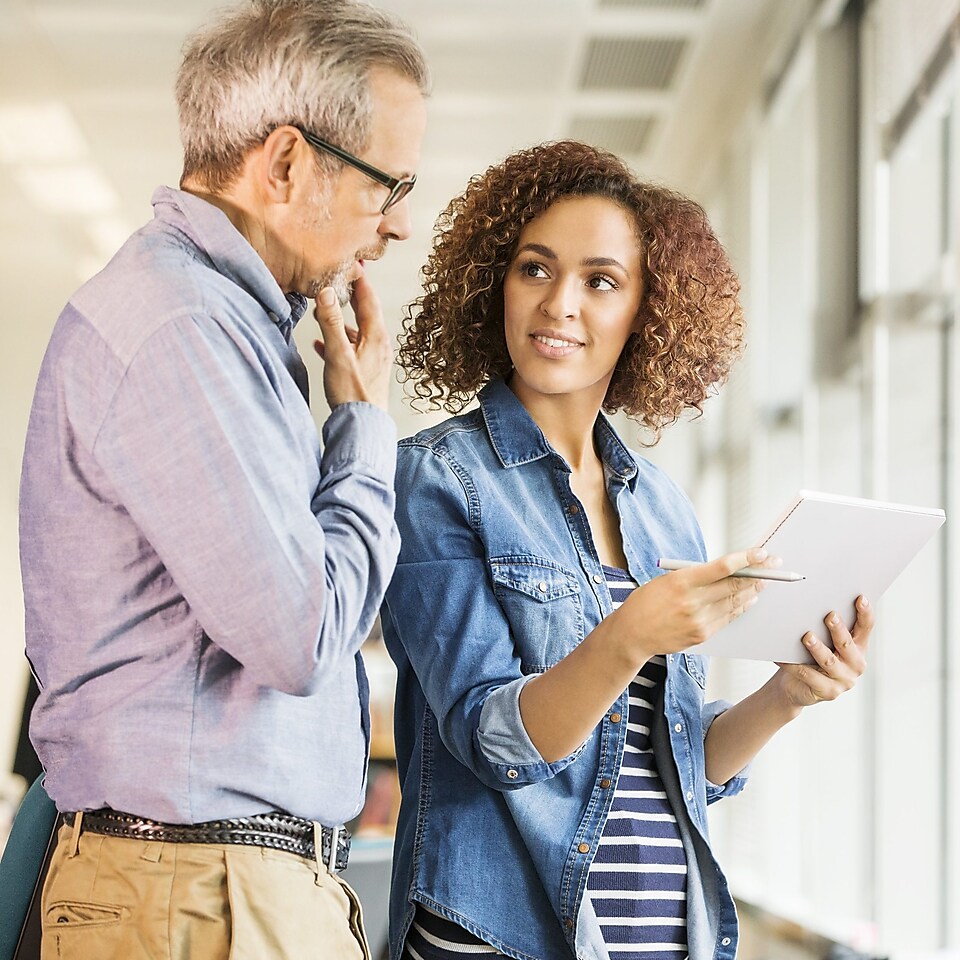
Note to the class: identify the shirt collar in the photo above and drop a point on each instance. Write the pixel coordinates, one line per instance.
(517, 439)
(211, 231)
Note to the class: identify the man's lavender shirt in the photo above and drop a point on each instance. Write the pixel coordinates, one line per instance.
(198, 575)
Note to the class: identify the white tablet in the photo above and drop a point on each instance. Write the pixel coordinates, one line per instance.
(843, 547)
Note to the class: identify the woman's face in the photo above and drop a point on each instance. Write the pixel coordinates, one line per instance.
(571, 297)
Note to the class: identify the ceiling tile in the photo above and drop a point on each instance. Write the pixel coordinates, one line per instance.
(632, 63)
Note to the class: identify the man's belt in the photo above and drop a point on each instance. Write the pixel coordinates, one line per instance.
(278, 831)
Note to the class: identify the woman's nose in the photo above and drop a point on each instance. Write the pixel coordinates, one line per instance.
(561, 301)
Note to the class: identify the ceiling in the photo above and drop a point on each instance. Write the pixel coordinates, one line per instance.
(88, 126)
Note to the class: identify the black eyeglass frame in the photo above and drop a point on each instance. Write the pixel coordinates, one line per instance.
(399, 188)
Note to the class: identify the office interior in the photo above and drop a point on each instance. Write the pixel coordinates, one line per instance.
(823, 138)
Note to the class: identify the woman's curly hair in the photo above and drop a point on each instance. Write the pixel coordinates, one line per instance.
(691, 331)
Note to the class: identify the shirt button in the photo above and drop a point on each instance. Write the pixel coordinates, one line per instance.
(542, 586)
(725, 941)
(597, 578)
(605, 783)
(615, 718)
(573, 508)
(678, 727)
(689, 794)
(512, 774)
(584, 848)
(568, 923)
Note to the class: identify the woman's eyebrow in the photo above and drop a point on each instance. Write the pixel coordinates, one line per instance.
(604, 262)
(538, 248)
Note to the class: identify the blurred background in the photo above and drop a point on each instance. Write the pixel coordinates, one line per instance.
(823, 137)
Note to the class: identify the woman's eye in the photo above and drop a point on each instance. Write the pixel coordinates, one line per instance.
(601, 282)
(532, 269)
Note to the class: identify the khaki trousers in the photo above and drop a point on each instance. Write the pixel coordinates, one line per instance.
(111, 898)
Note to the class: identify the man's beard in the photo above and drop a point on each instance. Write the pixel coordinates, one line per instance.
(337, 278)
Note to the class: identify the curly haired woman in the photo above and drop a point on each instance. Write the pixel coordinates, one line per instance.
(554, 748)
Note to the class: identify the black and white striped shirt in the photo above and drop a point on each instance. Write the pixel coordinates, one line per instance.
(638, 879)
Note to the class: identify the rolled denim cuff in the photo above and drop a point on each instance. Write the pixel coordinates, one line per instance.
(504, 742)
(736, 783)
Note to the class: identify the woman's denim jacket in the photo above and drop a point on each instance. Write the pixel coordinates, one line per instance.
(499, 579)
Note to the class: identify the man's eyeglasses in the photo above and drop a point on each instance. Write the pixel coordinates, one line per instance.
(398, 188)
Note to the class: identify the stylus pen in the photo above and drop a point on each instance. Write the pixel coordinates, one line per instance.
(754, 573)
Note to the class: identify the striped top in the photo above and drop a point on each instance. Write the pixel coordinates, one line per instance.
(433, 937)
(638, 880)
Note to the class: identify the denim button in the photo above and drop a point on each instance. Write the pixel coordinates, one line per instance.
(615, 718)
(568, 923)
(542, 586)
(512, 774)
(605, 783)
(678, 727)
(725, 941)
(689, 794)
(584, 848)
(597, 578)
(573, 508)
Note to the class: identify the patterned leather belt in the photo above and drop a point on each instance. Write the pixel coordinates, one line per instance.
(278, 831)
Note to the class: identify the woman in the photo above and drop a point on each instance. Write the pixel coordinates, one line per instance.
(554, 749)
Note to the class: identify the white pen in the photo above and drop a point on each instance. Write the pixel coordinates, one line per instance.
(754, 573)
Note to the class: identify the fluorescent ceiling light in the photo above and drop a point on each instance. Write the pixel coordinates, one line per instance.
(74, 188)
(40, 133)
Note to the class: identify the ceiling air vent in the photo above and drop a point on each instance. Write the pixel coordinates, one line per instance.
(622, 135)
(655, 4)
(638, 63)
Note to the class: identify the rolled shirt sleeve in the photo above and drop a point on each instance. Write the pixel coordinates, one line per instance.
(736, 783)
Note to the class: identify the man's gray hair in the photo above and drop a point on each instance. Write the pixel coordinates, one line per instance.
(273, 62)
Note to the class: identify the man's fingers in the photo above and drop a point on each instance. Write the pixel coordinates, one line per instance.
(366, 307)
(330, 316)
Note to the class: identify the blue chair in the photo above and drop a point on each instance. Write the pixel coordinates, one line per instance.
(22, 872)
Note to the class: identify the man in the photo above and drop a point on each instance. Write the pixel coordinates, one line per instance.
(198, 574)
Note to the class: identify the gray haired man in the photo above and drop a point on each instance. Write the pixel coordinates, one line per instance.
(198, 571)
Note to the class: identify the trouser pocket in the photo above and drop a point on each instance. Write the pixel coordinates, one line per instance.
(74, 913)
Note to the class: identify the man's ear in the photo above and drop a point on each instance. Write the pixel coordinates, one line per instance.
(282, 162)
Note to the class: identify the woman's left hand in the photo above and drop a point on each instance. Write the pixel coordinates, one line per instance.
(834, 671)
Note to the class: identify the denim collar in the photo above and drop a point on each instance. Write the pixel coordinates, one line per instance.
(517, 439)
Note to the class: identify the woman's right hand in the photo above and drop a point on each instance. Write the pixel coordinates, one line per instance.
(679, 610)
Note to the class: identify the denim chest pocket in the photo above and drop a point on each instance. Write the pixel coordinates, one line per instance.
(543, 606)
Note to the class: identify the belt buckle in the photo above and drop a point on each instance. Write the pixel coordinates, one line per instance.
(335, 847)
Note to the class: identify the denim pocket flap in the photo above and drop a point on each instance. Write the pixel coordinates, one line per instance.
(537, 578)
